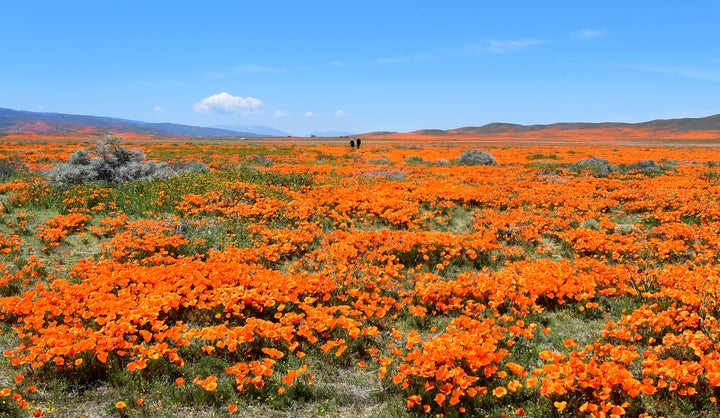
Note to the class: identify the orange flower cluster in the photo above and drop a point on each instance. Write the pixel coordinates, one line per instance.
(26, 192)
(10, 243)
(30, 271)
(15, 396)
(438, 276)
(91, 199)
(55, 229)
(148, 240)
(677, 329)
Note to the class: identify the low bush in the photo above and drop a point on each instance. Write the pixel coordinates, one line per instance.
(112, 163)
(476, 157)
(599, 166)
(11, 166)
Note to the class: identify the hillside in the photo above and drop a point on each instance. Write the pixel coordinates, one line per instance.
(680, 125)
(660, 130)
(14, 121)
(706, 128)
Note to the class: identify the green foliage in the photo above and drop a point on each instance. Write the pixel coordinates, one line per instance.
(600, 167)
(381, 161)
(182, 167)
(261, 160)
(415, 160)
(591, 223)
(540, 156)
(37, 196)
(649, 167)
(293, 181)
(386, 173)
(711, 175)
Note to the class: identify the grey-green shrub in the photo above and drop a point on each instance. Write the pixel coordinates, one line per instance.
(179, 167)
(111, 163)
(80, 157)
(649, 168)
(415, 160)
(591, 223)
(65, 175)
(476, 157)
(11, 166)
(262, 160)
(597, 165)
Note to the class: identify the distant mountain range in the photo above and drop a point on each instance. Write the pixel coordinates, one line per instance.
(328, 134)
(709, 123)
(24, 121)
(254, 129)
(18, 121)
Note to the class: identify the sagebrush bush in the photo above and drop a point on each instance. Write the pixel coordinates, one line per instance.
(112, 163)
(11, 166)
(650, 167)
(415, 160)
(262, 160)
(180, 167)
(597, 165)
(476, 157)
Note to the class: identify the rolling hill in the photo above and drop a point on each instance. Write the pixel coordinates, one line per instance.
(15, 121)
(257, 130)
(684, 124)
(706, 128)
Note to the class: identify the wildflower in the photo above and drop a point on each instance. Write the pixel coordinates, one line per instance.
(499, 392)
(209, 383)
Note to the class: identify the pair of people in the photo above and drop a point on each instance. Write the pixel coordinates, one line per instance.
(354, 142)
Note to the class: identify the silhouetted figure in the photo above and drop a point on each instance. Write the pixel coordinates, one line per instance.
(358, 142)
(352, 143)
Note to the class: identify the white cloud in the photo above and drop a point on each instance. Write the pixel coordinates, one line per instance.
(309, 114)
(227, 103)
(586, 34)
(302, 68)
(254, 68)
(403, 59)
(340, 114)
(243, 69)
(279, 113)
(695, 73)
(158, 109)
(501, 46)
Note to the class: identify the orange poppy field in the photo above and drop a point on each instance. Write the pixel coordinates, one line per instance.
(307, 278)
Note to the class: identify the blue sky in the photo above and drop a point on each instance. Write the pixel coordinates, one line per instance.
(362, 66)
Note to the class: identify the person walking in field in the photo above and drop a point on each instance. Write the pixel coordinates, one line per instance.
(352, 143)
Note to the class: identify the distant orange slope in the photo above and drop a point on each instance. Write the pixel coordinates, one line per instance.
(697, 129)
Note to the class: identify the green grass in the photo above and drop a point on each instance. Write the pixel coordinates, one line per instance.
(541, 156)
